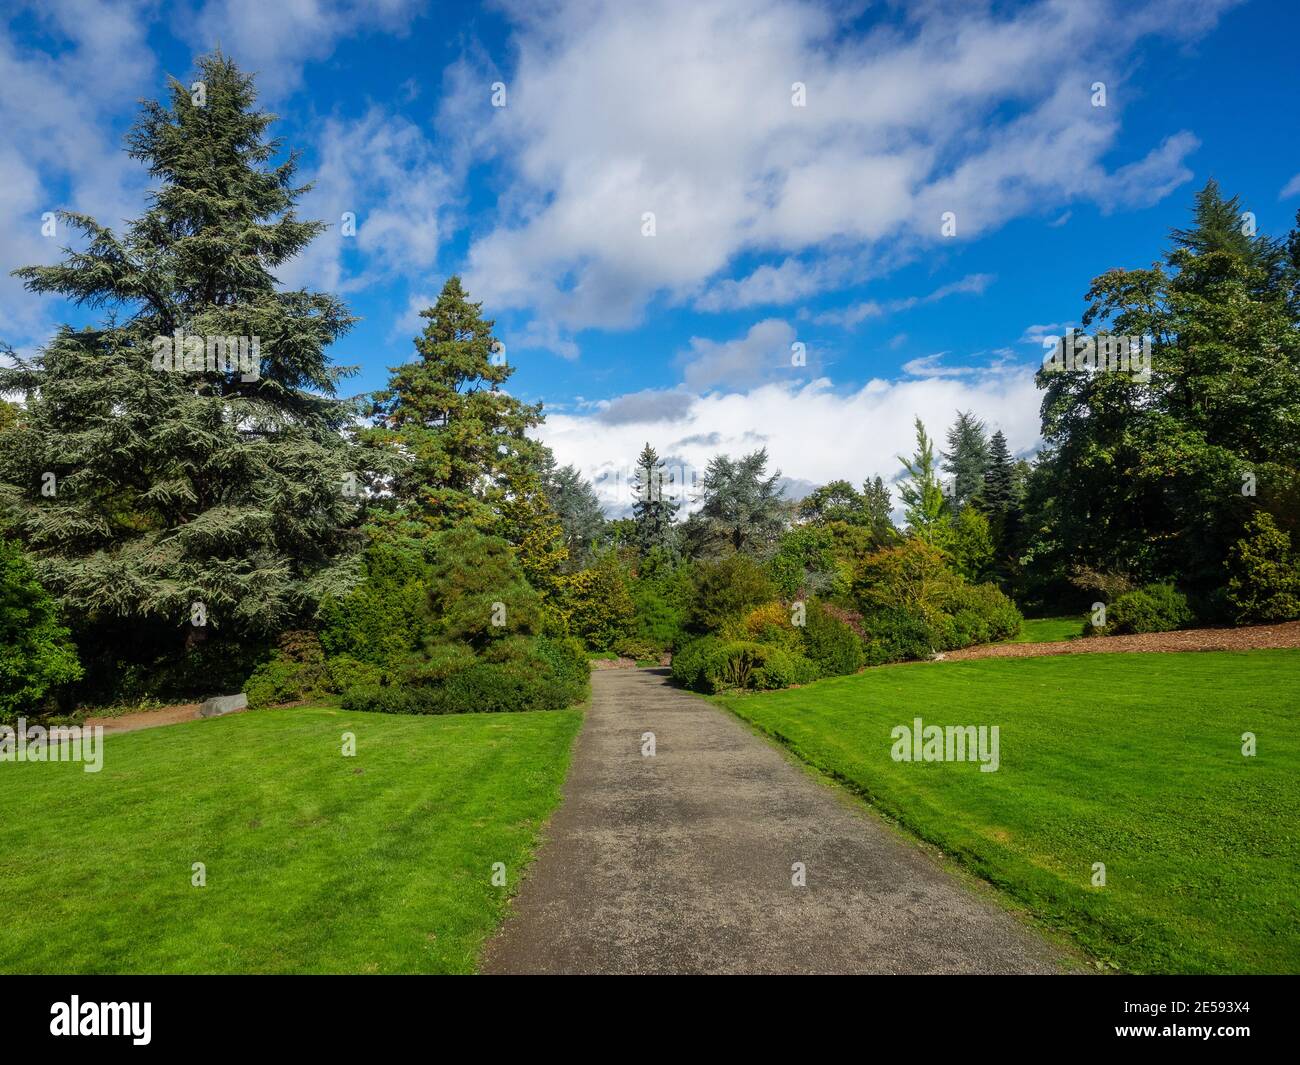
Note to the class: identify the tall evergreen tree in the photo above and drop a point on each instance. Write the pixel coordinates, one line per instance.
(654, 508)
(576, 505)
(465, 437)
(967, 457)
(1146, 471)
(183, 461)
(926, 509)
(742, 509)
(998, 493)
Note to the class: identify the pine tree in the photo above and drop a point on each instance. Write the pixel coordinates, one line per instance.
(923, 501)
(183, 461)
(998, 494)
(654, 508)
(446, 411)
(967, 457)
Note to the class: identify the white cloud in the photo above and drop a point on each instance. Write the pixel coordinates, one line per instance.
(60, 150)
(683, 108)
(761, 355)
(813, 433)
(385, 171)
(277, 38)
(1291, 188)
(859, 312)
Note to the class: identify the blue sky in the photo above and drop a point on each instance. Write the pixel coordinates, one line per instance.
(775, 224)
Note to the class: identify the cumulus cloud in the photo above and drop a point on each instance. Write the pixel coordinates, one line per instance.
(684, 108)
(761, 355)
(812, 432)
(277, 39)
(384, 171)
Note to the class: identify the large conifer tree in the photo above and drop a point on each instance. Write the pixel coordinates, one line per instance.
(205, 489)
(654, 508)
(447, 413)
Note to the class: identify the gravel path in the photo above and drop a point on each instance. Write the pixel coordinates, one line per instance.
(682, 863)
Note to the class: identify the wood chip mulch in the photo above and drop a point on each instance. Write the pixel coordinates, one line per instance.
(1255, 637)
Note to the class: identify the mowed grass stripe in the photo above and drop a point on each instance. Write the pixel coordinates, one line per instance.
(1133, 760)
(315, 862)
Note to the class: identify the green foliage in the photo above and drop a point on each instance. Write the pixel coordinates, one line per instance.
(970, 544)
(1144, 473)
(35, 651)
(576, 506)
(205, 481)
(296, 670)
(1151, 608)
(387, 614)
(711, 664)
(516, 674)
(922, 495)
(914, 605)
(654, 509)
(465, 434)
(725, 590)
(600, 608)
(967, 458)
(830, 643)
(804, 562)
(1264, 576)
(477, 591)
(661, 597)
(742, 509)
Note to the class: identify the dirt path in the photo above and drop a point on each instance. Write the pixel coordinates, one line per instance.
(1255, 637)
(681, 863)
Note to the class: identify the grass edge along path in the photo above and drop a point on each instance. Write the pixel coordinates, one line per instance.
(1131, 760)
(314, 862)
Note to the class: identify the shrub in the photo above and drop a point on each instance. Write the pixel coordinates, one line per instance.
(912, 576)
(690, 661)
(779, 668)
(600, 608)
(830, 643)
(1264, 581)
(36, 653)
(982, 613)
(297, 669)
(896, 635)
(726, 590)
(1151, 608)
(387, 614)
(711, 664)
(514, 674)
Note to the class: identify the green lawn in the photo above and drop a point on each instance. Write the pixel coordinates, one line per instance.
(1048, 630)
(378, 863)
(1133, 760)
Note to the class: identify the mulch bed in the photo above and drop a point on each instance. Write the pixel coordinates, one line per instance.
(1255, 637)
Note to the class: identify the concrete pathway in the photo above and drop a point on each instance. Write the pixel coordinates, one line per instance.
(681, 863)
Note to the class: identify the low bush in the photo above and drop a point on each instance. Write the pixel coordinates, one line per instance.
(514, 674)
(297, 669)
(1151, 608)
(711, 664)
(830, 643)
